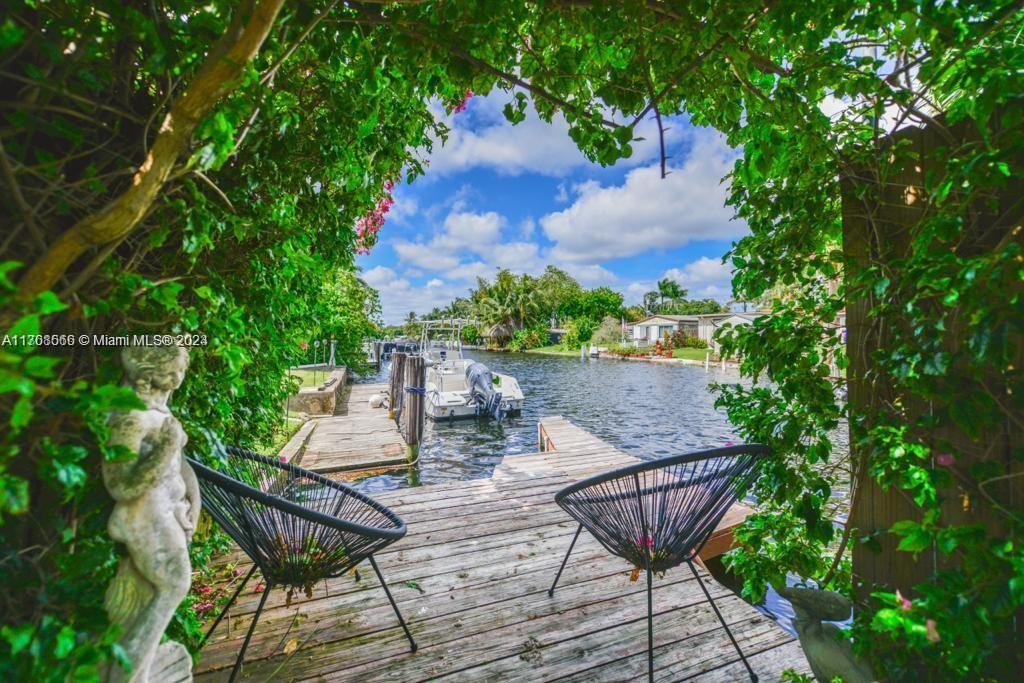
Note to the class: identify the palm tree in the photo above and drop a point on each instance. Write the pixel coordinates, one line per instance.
(650, 301)
(670, 289)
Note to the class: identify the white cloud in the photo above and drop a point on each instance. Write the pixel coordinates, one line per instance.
(426, 256)
(398, 295)
(527, 228)
(521, 257)
(379, 276)
(647, 212)
(705, 278)
(463, 229)
(471, 271)
(590, 275)
(483, 138)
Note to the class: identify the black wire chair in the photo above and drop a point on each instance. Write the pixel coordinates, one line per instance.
(297, 526)
(659, 514)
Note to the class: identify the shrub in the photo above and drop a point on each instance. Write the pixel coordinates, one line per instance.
(527, 338)
(681, 340)
(608, 332)
(469, 334)
(577, 331)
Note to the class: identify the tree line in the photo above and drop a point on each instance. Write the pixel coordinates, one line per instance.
(519, 309)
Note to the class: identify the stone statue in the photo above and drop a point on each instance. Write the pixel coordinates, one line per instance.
(156, 508)
(827, 650)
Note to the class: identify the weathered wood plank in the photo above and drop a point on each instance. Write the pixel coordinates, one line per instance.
(471, 578)
(356, 437)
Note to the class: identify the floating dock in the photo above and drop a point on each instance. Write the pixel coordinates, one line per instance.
(471, 578)
(356, 437)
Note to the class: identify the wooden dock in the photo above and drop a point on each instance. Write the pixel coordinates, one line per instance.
(471, 578)
(356, 437)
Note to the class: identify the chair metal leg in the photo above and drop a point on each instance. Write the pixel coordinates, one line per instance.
(224, 611)
(753, 676)
(384, 585)
(551, 591)
(650, 627)
(248, 636)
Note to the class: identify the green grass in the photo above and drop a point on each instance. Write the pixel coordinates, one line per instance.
(555, 349)
(285, 432)
(306, 377)
(692, 354)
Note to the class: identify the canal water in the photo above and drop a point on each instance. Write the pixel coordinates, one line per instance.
(649, 410)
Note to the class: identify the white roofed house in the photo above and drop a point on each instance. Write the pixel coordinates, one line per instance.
(654, 327)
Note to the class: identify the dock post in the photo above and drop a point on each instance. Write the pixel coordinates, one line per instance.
(723, 363)
(412, 410)
(397, 384)
(583, 351)
(707, 359)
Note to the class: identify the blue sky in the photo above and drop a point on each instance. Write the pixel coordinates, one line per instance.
(522, 197)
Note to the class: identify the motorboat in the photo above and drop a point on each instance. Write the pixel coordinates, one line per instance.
(458, 387)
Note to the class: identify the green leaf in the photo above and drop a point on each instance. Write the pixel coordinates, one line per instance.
(18, 637)
(65, 642)
(47, 303)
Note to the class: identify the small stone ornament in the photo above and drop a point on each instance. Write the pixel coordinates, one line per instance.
(155, 513)
(827, 650)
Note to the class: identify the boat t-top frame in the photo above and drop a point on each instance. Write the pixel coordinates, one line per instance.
(443, 335)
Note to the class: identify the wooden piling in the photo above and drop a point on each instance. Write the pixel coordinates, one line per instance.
(397, 383)
(413, 409)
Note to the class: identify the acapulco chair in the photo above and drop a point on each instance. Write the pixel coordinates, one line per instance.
(298, 527)
(659, 514)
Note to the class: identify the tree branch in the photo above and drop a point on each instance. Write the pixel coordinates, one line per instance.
(217, 76)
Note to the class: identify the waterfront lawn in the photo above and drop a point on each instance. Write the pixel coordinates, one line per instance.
(691, 354)
(555, 349)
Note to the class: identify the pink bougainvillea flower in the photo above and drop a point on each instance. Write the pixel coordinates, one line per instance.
(284, 459)
(259, 588)
(238, 572)
(303, 345)
(728, 443)
(902, 602)
(944, 459)
(646, 542)
(461, 106)
(930, 632)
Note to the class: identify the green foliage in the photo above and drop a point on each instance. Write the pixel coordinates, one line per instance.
(608, 332)
(528, 338)
(595, 304)
(244, 235)
(578, 331)
(470, 334)
(681, 340)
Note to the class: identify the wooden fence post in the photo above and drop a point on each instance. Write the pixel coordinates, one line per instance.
(878, 216)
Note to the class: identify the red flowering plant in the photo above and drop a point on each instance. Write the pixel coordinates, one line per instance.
(369, 225)
(463, 103)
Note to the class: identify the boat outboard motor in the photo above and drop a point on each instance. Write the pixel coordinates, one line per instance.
(480, 382)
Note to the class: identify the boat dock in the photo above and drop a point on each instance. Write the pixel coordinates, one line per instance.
(471, 577)
(356, 437)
